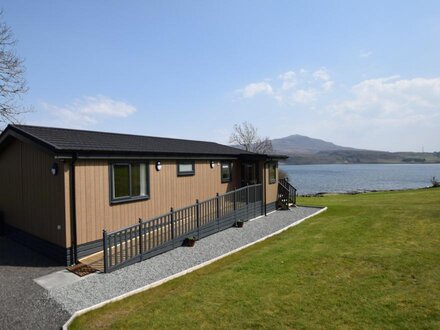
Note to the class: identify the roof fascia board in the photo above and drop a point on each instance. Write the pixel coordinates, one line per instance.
(150, 157)
(253, 157)
(277, 157)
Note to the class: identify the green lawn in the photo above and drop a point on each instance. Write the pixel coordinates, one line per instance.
(370, 261)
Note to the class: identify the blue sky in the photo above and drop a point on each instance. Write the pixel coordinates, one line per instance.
(360, 74)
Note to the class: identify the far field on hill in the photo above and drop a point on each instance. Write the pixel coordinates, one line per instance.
(372, 261)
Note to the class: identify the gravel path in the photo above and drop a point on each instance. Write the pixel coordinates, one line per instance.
(100, 287)
(23, 303)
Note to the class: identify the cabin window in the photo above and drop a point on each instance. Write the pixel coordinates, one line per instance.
(272, 172)
(129, 181)
(226, 172)
(185, 167)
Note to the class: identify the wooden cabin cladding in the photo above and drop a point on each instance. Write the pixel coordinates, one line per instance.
(271, 188)
(31, 198)
(94, 212)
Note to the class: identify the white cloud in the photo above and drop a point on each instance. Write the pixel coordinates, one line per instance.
(256, 88)
(388, 113)
(321, 74)
(89, 110)
(305, 96)
(327, 86)
(292, 87)
(105, 106)
(365, 53)
(289, 80)
(392, 97)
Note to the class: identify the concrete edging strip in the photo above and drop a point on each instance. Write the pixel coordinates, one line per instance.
(186, 271)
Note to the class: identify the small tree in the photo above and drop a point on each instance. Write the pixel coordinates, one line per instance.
(246, 136)
(12, 81)
(282, 174)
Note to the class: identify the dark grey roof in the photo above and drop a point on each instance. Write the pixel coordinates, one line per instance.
(277, 156)
(64, 140)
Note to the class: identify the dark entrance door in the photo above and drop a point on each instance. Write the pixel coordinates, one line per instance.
(249, 174)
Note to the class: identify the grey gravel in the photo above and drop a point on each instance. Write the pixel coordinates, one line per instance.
(100, 287)
(23, 303)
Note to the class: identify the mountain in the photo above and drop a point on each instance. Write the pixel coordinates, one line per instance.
(305, 150)
(304, 144)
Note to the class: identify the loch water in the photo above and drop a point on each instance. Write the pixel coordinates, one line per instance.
(340, 178)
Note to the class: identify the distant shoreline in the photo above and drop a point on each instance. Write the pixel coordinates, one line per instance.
(357, 192)
(361, 157)
(296, 164)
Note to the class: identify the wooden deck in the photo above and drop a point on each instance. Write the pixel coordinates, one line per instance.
(95, 260)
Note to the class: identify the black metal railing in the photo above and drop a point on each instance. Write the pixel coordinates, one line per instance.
(286, 193)
(163, 233)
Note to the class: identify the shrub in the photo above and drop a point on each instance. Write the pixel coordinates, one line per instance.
(282, 174)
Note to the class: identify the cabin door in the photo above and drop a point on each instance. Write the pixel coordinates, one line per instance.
(249, 174)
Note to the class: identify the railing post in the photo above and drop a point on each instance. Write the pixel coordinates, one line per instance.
(198, 218)
(172, 225)
(247, 202)
(217, 206)
(235, 204)
(105, 243)
(141, 252)
(255, 200)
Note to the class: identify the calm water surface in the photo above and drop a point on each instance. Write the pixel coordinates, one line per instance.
(312, 179)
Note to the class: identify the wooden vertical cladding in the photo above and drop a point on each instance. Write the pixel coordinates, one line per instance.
(271, 188)
(37, 202)
(95, 213)
(31, 198)
(67, 201)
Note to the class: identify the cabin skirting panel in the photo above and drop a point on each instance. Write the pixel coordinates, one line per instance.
(55, 252)
(270, 207)
(89, 248)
